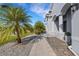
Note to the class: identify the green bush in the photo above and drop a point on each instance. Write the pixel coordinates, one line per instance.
(68, 33)
(39, 27)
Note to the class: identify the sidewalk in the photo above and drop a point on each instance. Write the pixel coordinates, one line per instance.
(59, 47)
(36, 46)
(42, 48)
(50, 47)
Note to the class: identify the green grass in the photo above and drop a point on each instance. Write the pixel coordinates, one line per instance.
(26, 34)
(12, 38)
(7, 36)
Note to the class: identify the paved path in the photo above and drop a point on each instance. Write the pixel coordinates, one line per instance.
(18, 50)
(36, 46)
(59, 47)
(13, 49)
(42, 48)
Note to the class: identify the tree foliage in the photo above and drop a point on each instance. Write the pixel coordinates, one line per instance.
(15, 18)
(39, 27)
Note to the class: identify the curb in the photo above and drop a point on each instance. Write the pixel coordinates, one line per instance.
(70, 48)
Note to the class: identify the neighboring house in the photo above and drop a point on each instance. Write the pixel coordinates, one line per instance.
(64, 17)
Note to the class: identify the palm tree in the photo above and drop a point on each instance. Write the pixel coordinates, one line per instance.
(15, 17)
(29, 27)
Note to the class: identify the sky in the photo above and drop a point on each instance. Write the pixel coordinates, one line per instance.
(36, 10)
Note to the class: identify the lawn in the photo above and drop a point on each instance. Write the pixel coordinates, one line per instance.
(12, 38)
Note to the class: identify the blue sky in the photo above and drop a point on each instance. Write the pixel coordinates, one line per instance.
(36, 10)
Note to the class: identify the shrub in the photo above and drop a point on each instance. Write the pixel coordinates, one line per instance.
(39, 27)
(68, 33)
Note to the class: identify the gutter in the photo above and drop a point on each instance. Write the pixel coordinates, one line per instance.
(70, 48)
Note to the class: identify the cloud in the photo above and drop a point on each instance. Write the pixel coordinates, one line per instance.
(40, 9)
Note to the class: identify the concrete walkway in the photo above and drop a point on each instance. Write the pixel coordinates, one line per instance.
(59, 47)
(36, 46)
(42, 48)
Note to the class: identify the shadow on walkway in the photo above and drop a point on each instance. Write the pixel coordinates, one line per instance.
(31, 39)
(23, 49)
(59, 47)
(28, 42)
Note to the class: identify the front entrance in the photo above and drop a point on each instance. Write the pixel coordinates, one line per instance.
(64, 26)
(67, 26)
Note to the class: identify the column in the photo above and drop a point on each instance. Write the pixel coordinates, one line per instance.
(61, 33)
(60, 24)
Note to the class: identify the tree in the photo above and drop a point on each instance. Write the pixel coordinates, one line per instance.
(15, 17)
(39, 27)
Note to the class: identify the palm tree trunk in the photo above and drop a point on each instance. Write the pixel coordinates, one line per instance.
(18, 33)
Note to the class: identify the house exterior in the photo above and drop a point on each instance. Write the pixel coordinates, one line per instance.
(63, 18)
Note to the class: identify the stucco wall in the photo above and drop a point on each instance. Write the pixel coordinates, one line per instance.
(52, 28)
(56, 10)
(57, 7)
(75, 32)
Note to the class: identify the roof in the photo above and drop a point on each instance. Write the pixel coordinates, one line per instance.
(65, 8)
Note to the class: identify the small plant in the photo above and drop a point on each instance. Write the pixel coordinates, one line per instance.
(68, 33)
